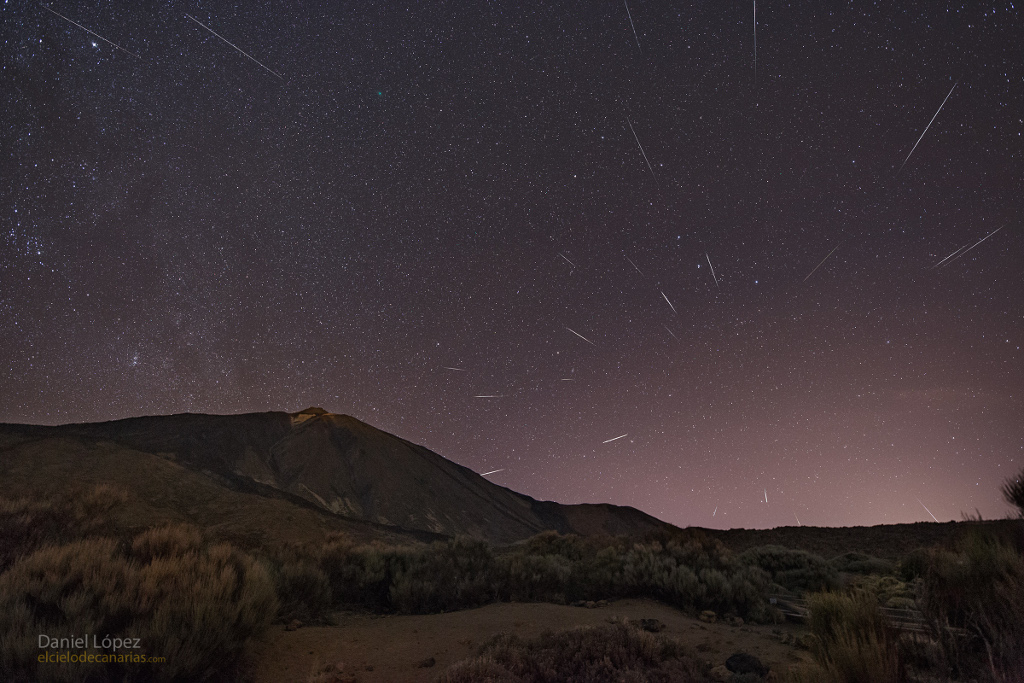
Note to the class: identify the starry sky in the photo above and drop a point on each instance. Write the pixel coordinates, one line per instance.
(513, 232)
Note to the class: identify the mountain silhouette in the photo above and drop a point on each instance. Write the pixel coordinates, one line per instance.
(335, 464)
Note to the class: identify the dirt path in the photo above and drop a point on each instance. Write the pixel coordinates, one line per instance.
(369, 648)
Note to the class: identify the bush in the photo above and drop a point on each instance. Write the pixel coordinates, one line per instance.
(446, 576)
(616, 652)
(795, 570)
(197, 609)
(27, 524)
(859, 563)
(914, 565)
(303, 591)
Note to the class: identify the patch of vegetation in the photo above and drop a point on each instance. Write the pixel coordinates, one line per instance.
(689, 570)
(197, 607)
(973, 598)
(615, 652)
(853, 643)
(26, 524)
(795, 570)
(860, 563)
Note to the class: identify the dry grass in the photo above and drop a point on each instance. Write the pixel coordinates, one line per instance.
(852, 641)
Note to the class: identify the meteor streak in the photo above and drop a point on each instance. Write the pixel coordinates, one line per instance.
(235, 46)
(926, 128)
(712, 270)
(616, 438)
(649, 167)
(950, 256)
(489, 396)
(581, 336)
(633, 264)
(628, 14)
(492, 472)
(567, 259)
(670, 305)
(450, 368)
(822, 261)
(92, 32)
(926, 508)
(973, 245)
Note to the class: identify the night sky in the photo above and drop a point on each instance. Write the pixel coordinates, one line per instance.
(490, 228)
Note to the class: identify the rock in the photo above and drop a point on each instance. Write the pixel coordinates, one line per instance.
(652, 625)
(293, 625)
(426, 663)
(591, 604)
(736, 621)
(720, 674)
(745, 663)
(708, 616)
(602, 603)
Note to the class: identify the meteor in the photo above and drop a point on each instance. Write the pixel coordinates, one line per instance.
(670, 304)
(567, 259)
(616, 438)
(581, 336)
(492, 472)
(926, 508)
(630, 15)
(235, 46)
(972, 246)
(926, 128)
(92, 32)
(822, 261)
(712, 269)
(649, 167)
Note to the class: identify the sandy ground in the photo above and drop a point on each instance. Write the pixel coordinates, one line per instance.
(370, 648)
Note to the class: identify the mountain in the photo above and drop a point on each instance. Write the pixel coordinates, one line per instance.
(336, 465)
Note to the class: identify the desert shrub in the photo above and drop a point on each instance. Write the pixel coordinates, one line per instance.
(852, 641)
(445, 576)
(360, 575)
(26, 524)
(303, 591)
(888, 590)
(535, 577)
(690, 571)
(615, 652)
(569, 546)
(795, 570)
(199, 610)
(973, 599)
(914, 564)
(859, 563)
(172, 540)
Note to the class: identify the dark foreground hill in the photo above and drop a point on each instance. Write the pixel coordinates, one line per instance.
(298, 464)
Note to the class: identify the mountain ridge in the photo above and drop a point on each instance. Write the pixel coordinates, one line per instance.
(348, 468)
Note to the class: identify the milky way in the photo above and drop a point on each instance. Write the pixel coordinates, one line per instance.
(397, 211)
